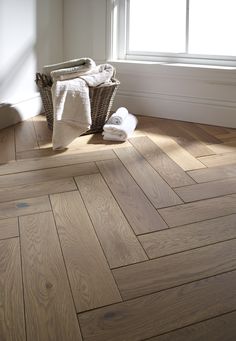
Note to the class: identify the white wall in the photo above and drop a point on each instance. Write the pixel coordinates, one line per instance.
(31, 35)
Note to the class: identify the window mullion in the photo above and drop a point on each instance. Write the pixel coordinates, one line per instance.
(187, 27)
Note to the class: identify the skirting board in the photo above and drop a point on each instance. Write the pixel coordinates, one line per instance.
(182, 108)
(12, 113)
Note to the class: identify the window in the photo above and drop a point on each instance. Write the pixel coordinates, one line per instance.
(195, 31)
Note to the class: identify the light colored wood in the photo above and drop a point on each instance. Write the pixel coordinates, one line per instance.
(138, 210)
(214, 173)
(178, 154)
(161, 162)
(9, 228)
(207, 190)
(188, 237)
(25, 137)
(212, 130)
(227, 136)
(200, 210)
(148, 316)
(43, 133)
(49, 307)
(7, 145)
(49, 174)
(199, 133)
(22, 207)
(217, 329)
(53, 161)
(173, 270)
(36, 189)
(222, 148)
(12, 322)
(219, 160)
(116, 236)
(91, 280)
(156, 189)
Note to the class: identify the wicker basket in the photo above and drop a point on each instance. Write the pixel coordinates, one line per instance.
(101, 99)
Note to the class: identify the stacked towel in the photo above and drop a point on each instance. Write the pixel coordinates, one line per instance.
(122, 131)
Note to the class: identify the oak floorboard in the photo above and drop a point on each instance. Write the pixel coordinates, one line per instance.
(43, 133)
(140, 213)
(9, 228)
(91, 280)
(156, 189)
(49, 174)
(212, 130)
(182, 238)
(213, 173)
(216, 329)
(23, 207)
(159, 313)
(25, 137)
(12, 321)
(227, 147)
(200, 210)
(49, 307)
(199, 133)
(219, 160)
(170, 171)
(118, 240)
(36, 189)
(7, 145)
(159, 274)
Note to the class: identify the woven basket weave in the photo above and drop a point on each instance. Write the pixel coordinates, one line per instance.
(101, 99)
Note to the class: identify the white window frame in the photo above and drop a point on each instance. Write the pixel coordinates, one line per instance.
(118, 42)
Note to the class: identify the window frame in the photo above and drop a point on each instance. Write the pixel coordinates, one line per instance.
(118, 20)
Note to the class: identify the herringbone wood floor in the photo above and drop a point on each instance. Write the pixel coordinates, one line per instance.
(118, 242)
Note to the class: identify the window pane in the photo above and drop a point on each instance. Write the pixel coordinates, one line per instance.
(212, 27)
(157, 25)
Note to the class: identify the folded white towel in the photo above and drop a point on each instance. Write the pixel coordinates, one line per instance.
(123, 131)
(112, 137)
(118, 117)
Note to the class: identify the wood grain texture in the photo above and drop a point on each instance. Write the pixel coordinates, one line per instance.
(49, 307)
(212, 130)
(55, 160)
(36, 189)
(170, 171)
(188, 237)
(9, 228)
(138, 210)
(217, 329)
(23, 207)
(91, 280)
(199, 133)
(161, 312)
(207, 190)
(12, 322)
(156, 189)
(25, 137)
(7, 145)
(170, 271)
(119, 243)
(43, 133)
(222, 148)
(44, 175)
(214, 173)
(200, 210)
(219, 160)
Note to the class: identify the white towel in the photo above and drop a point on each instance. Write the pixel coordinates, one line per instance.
(112, 137)
(123, 131)
(118, 117)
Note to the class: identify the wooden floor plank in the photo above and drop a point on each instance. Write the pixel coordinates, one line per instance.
(9, 228)
(170, 171)
(140, 213)
(188, 237)
(227, 147)
(200, 210)
(207, 190)
(49, 174)
(200, 133)
(12, 322)
(43, 133)
(161, 312)
(57, 160)
(212, 130)
(119, 243)
(214, 173)
(170, 271)
(22, 207)
(217, 329)
(156, 189)
(25, 137)
(7, 145)
(36, 189)
(219, 160)
(50, 312)
(91, 280)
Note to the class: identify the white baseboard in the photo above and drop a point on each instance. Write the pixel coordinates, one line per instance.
(12, 113)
